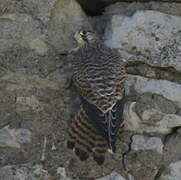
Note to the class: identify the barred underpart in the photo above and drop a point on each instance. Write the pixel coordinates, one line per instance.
(85, 140)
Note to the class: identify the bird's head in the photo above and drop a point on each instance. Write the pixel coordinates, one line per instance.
(84, 37)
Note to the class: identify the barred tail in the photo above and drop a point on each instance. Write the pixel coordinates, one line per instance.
(85, 140)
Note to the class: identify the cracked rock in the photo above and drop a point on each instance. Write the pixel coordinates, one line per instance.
(151, 120)
(143, 164)
(21, 31)
(129, 9)
(148, 36)
(61, 171)
(172, 148)
(23, 171)
(40, 9)
(112, 176)
(172, 172)
(141, 85)
(14, 137)
(141, 142)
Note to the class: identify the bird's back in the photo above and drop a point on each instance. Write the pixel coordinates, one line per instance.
(99, 75)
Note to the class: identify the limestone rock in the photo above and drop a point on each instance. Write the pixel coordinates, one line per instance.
(169, 8)
(112, 176)
(40, 9)
(39, 46)
(14, 137)
(21, 31)
(143, 164)
(66, 18)
(129, 9)
(155, 112)
(22, 172)
(23, 81)
(132, 120)
(27, 103)
(141, 142)
(9, 6)
(173, 172)
(62, 173)
(152, 120)
(147, 36)
(172, 149)
(141, 85)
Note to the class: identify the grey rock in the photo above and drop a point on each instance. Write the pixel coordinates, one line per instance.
(17, 81)
(21, 31)
(151, 120)
(142, 142)
(66, 18)
(130, 177)
(143, 164)
(9, 6)
(172, 147)
(130, 8)
(132, 120)
(167, 89)
(173, 172)
(112, 176)
(23, 172)
(39, 46)
(123, 8)
(62, 173)
(169, 8)
(26, 103)
(150, 102)
(179, 131)
(148, 36)
(40, 9)
(14, 137)
(155, 111)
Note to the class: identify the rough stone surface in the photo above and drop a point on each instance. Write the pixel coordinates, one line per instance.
(173, 172)
(21, 31)
(9, 6)
(22, 172)
(37, 103)
(171, 154)
(14, 137)
(167, 89)
(66, 18)
(151, 120)
(155, 108)
(141, 142)
(40, 9)
(130, 8)
(148, 36)
(144, 164)
(112, 176)
(61, 171)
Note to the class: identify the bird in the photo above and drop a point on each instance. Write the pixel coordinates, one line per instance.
(99, 78)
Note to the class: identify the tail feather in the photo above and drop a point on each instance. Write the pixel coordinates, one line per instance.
(85, 140)
(106, 123)
(100, 150)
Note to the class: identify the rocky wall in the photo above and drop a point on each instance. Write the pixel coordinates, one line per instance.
(37, 105)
